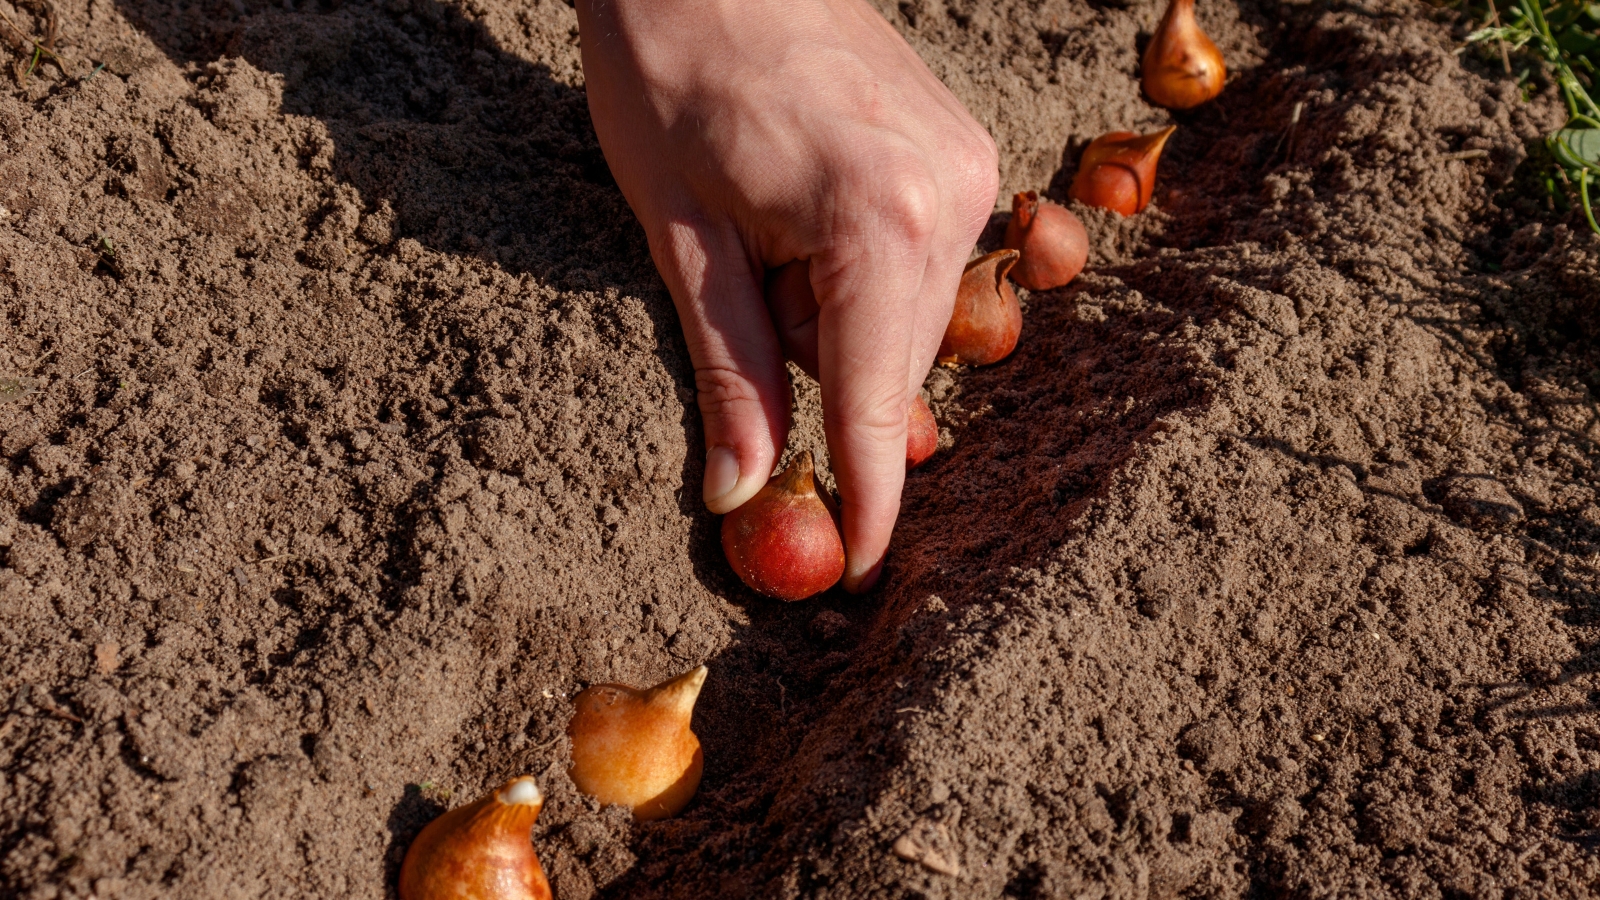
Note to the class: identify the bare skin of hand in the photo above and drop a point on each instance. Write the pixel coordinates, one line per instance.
(811, 191)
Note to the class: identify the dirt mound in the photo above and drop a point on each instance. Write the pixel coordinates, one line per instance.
(349, 434)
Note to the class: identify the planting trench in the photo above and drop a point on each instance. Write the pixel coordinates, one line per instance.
(365, 438)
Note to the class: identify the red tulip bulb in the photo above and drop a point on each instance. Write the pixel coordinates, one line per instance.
(987, 319)
(784, 542)
(1052, 242)
(1118, 170)
(922, 433)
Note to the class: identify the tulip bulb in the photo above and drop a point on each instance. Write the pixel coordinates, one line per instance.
(634, 748)
(784, 542)
(481, 850)
(922, 433)
(987, 319)
(1052, 242)
(1118, 170)
(1182, 68)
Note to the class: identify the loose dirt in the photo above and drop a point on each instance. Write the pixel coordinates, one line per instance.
(346, 433)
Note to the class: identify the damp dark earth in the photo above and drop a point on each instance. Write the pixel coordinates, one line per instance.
(346, 433)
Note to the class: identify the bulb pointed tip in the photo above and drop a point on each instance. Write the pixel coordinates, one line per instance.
(1023, 207)
(682, 691)
(799, 477)
(522, 791)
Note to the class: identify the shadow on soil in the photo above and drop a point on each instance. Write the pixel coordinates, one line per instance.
(482, 153)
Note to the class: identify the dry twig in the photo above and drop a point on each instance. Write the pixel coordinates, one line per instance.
(1494, 22)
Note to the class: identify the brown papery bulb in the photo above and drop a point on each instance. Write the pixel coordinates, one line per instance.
(1182, 68)
(1052, 242)
(922, 433)
(634, 748)
(987, 320)
(784, 542)
(1118, 170)
(482, 850)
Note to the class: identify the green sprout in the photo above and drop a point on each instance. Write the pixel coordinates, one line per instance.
(1563, 34)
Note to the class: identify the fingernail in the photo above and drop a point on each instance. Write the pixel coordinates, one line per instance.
(866, 582)
(722, 476)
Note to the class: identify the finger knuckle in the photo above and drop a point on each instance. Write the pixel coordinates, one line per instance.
(978, 151)
(912, 207)
(723, 391)
(878, 416)
(988, 148)
(882, 432)
(977, 165)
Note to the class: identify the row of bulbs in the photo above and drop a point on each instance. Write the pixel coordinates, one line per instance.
(785, 541)
(635, 747)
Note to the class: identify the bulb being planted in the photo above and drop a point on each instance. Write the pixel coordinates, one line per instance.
(784, 542)
(922, 433)
(1052, 242)
(987, 320)
(1182, 68)
(482, 850)
(1118, 170)
(634, 747)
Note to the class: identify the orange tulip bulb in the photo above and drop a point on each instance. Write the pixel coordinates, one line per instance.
(1052, 242)
(634, 748)
(784, 542)
(987, 319)
(1118, 170)
(922, 433)
(482, 850)
(1182, 68)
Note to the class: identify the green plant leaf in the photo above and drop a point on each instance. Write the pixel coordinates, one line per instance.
(1577, 148)
(1515, 36)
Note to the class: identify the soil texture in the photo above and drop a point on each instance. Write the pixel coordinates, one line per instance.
(346, 433)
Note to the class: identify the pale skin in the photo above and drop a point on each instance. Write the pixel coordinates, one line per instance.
(810, 191)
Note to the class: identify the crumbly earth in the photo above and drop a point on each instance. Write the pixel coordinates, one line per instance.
(346, 433)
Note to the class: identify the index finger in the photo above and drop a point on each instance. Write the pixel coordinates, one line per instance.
(867, 286)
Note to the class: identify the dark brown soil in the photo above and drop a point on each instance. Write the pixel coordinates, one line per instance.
(349, 434)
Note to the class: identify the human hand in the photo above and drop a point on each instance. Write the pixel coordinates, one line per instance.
(802, 138)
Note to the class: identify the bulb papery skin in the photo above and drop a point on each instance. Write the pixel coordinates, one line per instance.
(922, 433)
(481, 851)
(987, 319)
(1053, 243)
(784, 542)
(634, 747)
(1182, 67)
(1118, 170)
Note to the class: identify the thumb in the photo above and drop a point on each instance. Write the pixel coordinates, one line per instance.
(741, 386)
